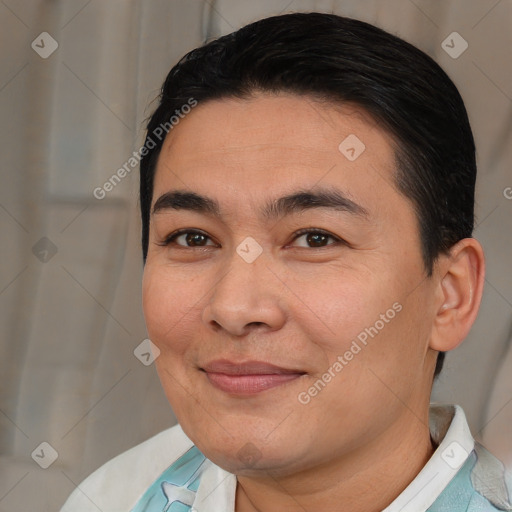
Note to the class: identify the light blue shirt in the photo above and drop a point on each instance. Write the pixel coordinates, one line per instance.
(168, 473)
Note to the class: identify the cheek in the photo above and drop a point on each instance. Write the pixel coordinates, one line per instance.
(154, 298)
(336, 307)
(166, 304)
(370, 319)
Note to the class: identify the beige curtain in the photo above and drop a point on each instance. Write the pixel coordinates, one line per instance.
(76, 84)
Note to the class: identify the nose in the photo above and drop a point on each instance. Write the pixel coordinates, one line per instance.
(246, 297)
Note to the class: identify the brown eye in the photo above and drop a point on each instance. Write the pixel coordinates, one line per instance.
(189, 238)
(194, 239)
(315, 238)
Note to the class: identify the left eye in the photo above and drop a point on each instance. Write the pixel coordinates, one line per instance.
(315, 238)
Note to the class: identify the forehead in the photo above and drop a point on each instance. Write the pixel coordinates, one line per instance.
(258, 145)
(273, 120)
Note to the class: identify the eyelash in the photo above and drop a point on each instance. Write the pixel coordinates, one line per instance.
(172, 237)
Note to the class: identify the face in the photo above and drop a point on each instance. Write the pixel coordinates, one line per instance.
(292, 334)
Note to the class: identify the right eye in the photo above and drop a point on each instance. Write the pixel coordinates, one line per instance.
(189, 236)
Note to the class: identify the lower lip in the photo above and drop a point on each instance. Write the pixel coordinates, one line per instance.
(249, 384)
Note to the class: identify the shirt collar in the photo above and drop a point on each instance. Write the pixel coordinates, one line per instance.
(449, 429)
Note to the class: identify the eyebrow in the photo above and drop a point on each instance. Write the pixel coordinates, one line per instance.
(295, 202)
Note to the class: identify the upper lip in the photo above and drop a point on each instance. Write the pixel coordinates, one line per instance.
(246, 368)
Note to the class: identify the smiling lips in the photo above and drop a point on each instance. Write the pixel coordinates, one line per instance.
(249, 377)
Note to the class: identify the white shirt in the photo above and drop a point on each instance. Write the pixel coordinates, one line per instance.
(119, 484)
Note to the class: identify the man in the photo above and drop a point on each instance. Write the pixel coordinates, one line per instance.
(307, 197)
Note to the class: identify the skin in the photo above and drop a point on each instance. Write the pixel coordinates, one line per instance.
(361, 440)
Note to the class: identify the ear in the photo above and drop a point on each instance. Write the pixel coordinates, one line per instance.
(461, 276)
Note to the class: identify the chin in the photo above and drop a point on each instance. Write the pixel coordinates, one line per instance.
(247, 454)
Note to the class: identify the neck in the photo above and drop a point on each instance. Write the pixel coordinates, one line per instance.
(367, 479)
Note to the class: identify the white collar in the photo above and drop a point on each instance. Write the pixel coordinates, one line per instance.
(448, 428)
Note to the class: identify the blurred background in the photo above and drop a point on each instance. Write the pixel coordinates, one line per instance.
(77, 81)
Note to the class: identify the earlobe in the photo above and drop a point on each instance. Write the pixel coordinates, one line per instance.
(461, 283)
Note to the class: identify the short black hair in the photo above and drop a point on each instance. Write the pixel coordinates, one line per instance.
(342, 60)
